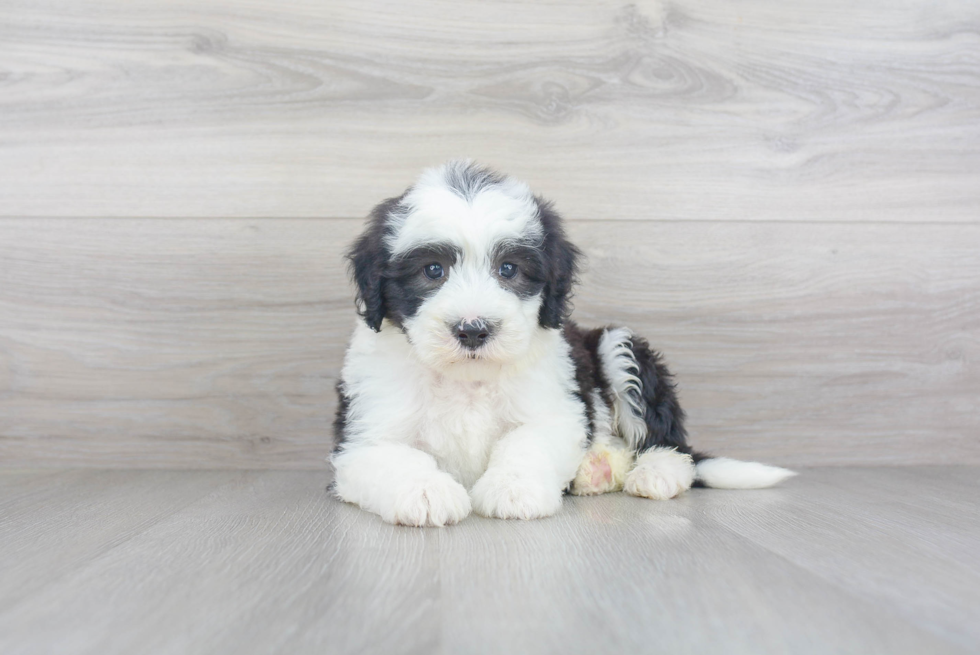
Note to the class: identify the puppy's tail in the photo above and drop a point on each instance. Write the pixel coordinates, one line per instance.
(725, 473)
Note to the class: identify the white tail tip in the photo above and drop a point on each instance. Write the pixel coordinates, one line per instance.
(725, 473)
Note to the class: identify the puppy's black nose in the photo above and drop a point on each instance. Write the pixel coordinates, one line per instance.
(473, 334)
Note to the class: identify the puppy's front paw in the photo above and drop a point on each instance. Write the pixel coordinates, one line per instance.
(436, 500)
(660, 473)
(508, 495)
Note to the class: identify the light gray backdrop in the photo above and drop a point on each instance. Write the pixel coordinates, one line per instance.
(783, 196)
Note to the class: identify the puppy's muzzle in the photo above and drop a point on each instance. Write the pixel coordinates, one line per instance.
(473, 334)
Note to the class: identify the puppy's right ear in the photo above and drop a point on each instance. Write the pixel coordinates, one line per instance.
(368, 258)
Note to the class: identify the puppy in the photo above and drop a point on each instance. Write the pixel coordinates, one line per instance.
(466, 387)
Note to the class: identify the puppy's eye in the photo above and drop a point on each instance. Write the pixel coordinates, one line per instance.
(433, 271)
(507, 270)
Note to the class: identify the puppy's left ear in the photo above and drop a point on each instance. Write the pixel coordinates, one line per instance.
(368, 258)
(561, 272)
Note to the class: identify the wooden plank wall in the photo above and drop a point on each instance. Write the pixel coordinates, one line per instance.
(784, 197)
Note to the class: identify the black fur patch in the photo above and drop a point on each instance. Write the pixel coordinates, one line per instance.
(588, 369)
(561, 269)
(392, 287)
(662, 410)
(368, 258)
(405, 286)
(467, 179)
(532, 269)
(340, 419)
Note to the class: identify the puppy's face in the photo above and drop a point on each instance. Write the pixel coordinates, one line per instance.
(468, 264)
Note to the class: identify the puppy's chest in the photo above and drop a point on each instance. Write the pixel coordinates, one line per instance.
(462, 421)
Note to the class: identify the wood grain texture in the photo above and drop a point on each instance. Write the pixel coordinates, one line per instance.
(247, 569)
(50, 524)
(926, 516)
(823, 111)
(216, 343)
(268, 562)
(171, 343)
(807, 343)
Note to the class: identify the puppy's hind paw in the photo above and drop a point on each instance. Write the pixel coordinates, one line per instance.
(436, 501)
(603, 470)
(660, 473)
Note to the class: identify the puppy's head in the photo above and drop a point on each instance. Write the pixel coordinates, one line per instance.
(469, 264)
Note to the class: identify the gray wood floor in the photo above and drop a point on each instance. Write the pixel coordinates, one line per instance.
(879, 560)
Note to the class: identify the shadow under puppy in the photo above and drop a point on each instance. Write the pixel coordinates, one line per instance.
(467, 387)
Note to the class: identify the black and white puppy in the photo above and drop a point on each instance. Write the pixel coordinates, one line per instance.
(466, 386)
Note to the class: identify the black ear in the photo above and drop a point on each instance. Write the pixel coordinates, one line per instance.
(368, 258)
(561, 273)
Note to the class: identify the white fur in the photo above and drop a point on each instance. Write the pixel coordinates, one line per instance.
(401, 484)
(725, 473)
(609, 459)
(471, 293)
(433, 430)
(660, 473)
(501, 422)
(434, 212)
(603, 469)
(514, 437)
(620, 368)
